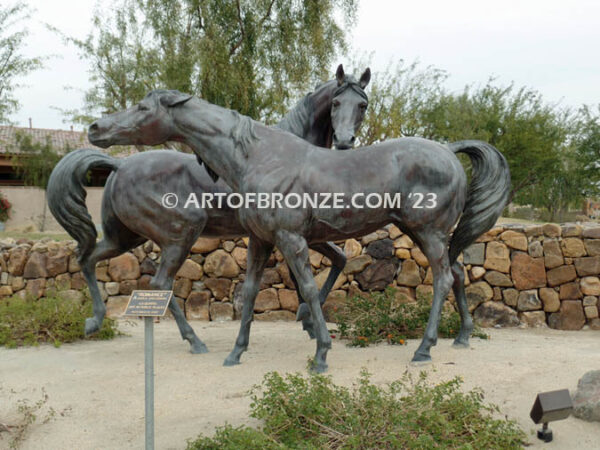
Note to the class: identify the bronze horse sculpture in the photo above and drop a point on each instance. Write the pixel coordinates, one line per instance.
(254, 158)
(131, 205)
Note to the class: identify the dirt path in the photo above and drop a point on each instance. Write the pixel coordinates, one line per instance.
(100, 385)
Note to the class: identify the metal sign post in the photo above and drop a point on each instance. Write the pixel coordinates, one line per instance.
(149, 304)
(149, 377)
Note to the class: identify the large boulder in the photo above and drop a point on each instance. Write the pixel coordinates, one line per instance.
(221, 264)
(570, 316)
(378, 275)
(266, 300)
(586, 401)
(478, 293)
(197, 305)
(491, 314)
(124, 267)
(527, 272)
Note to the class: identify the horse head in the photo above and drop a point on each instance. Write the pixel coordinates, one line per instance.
(147, 123)
(348, 107)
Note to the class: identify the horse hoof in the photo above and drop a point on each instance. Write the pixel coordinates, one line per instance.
(197, 349)
(91, 326)
(303, 312)
(319, 368)
(420, 360)
(460, 344)
(231, 362)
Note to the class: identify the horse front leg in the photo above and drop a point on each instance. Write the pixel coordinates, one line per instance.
(172, 257)
(338, 262)
(295, 251)
(435, 249)
(258, 255)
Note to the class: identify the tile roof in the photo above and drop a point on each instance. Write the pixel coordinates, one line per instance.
(61, 140)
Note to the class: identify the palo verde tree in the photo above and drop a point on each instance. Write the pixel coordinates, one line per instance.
(253, 56)
(13, 65)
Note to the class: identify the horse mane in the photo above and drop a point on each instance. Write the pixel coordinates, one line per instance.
(242, 132)
(297, 121)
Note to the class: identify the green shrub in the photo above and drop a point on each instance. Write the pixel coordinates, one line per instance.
(380, 317)
(49, 319)
(312, 412)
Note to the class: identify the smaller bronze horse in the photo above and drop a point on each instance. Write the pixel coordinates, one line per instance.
(253, 158)
(131, 205)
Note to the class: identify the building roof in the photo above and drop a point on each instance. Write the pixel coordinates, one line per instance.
(61, 140)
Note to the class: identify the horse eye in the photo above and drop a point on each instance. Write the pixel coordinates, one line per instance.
(143, 108)
(363, 106)
(336, 103)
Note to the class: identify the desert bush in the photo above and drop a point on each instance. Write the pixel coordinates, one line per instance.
(380, 317)
(311, 412)
(50, 319)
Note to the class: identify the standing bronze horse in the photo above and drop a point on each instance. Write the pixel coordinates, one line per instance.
(131, 205)
(253, 158)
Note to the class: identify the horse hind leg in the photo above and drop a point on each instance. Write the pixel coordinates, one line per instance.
(435, 249)
(106, 248)
(338, 262)
(466, 322)
(172, 257)
(295, 251)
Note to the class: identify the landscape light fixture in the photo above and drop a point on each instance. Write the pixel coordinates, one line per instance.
(548, 407)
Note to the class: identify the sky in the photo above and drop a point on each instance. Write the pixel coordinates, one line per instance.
(547, 45)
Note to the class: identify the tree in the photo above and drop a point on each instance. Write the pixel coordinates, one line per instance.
(13, 64)
(254, 56)
(402, 100)
(407, 100)
(35, 161)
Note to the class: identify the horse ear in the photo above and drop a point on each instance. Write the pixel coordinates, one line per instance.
(174, 98)
(365, 78)
(340, 75)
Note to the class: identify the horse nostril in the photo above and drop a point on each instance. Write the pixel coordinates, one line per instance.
(93, 127)
(352, 139)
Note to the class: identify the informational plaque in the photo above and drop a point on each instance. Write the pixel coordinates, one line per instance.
(148, 303)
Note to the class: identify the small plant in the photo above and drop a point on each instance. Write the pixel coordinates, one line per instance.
(312, 412)
(50, 319)
(5, 208)
(378, 317)
(28, 415)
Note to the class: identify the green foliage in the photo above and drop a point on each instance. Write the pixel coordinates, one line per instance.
(13, 64)
(34, 161)
(28, 415)
(314, 413)
(5, 207)
(381, 316)
(551, 152)
(251, 56)
(402, 101)
(54, 319)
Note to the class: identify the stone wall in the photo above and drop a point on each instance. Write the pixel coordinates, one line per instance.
(533, 276)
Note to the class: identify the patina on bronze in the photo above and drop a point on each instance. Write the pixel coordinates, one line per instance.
(131, 206)
(252, 157)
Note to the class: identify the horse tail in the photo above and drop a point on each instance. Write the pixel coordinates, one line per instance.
(66, 195)
(487, 196)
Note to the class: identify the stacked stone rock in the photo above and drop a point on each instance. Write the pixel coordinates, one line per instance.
(534, 276)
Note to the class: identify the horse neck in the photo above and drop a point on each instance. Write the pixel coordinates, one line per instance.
(213, 133)
(310, 119)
